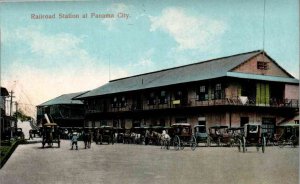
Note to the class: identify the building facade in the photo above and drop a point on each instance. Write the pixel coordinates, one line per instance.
(63, 110)
(245, 88)
(4, 118)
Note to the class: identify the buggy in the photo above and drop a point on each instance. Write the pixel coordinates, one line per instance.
(288, 135)
(220, 135)
(50, 134)
(138, 134)
(119, 134)
(236, 134)
(252, 137)
(106, 134)
(201, 134)
(182, 135)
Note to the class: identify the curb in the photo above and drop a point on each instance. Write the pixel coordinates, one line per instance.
(12, 149)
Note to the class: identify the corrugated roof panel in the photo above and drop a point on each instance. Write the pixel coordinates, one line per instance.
(188, 73)
(64, 99)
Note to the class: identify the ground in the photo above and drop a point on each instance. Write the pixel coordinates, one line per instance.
(122, 163)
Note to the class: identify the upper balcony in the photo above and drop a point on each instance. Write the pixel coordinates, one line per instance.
(193, 102)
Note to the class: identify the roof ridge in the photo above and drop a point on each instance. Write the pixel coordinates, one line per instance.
(199, 62)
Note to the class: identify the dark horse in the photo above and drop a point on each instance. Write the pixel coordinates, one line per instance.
(87, 139)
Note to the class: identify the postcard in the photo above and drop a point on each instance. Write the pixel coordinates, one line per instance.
(149, 91)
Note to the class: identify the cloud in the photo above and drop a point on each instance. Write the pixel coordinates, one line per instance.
(190, 32)
(56, 64)
(145, 60)
(115, 8)
(143, 64)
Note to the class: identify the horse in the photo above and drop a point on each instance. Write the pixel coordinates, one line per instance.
(164, 139)
(87, 139)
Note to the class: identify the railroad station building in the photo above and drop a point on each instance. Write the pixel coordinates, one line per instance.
(63, 110)
(244, 88)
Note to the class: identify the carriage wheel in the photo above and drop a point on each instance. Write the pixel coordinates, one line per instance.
(181, 145)
(294, 141)
(244, 144)
(176, 143)
(263, 144)
(193, 143)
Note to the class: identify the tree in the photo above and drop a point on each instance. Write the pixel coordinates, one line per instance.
(21, 115)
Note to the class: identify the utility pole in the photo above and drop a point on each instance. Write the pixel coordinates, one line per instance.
(11, 102)
(10, 112)
(16, 122)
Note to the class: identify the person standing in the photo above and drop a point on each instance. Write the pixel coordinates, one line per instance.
(74, 140)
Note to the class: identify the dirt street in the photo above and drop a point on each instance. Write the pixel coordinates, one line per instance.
(122, 163)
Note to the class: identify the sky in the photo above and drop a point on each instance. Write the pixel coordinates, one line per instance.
(45, 58)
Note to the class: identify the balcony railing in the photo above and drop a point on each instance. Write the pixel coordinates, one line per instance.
(193, 102)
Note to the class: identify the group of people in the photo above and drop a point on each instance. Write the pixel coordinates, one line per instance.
(86, 136)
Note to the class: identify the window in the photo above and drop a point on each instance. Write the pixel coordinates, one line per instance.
(268, 125)
(136, 123)
(151, 99)
(261, 65)
(123, 123)
(202, 89)
(178, 95)
(218, 92)
(115, 102)
(163, 97)
(202, 93)
(123, 102)
(103, 123)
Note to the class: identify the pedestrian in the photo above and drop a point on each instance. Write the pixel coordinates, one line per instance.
(30, 134)
(74, 140)
(147, 136)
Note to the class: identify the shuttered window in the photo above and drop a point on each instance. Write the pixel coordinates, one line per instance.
(262, 94)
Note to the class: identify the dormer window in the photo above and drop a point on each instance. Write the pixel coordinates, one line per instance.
(262, 65)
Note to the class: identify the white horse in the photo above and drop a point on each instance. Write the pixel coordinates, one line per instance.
(165, 140)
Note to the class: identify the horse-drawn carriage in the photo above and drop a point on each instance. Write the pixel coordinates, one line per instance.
(252, 136)
(50, 134)
(220, 135)
(138, 134)
(288, 135)
(119, 134)
(182, 135)
(107, 134)
(236, 134)
(201, 134)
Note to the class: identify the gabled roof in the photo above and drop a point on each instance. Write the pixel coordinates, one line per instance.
(64, 99)
(210, 69)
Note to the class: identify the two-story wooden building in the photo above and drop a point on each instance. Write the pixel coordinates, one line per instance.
(233, 90)
(5, 120)
(63, 110)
